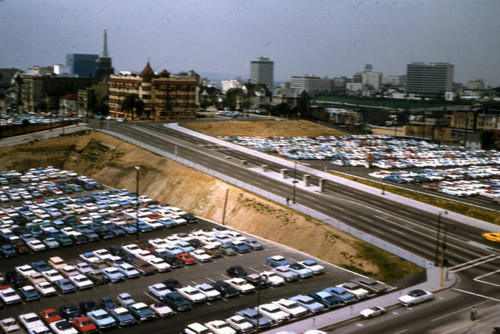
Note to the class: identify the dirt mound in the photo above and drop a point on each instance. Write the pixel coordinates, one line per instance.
(112, 162)
(267, 128)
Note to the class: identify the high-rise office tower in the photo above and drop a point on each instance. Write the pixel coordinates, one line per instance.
(84, 65)
(262, 72)
(429, 79)
(104, 63)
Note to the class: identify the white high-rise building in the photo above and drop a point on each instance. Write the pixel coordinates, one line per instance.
(262, 72)
(233, 83)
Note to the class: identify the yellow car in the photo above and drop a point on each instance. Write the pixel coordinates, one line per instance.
(494, 236)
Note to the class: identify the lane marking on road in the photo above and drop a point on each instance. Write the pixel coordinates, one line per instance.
(477, 295)
(479, 278)
(474, 263)
(459, 311)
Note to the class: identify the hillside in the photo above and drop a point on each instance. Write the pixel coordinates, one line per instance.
(112, 162)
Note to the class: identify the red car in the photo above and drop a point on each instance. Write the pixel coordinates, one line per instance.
(84, 325)
(186, 258)
(49, 315)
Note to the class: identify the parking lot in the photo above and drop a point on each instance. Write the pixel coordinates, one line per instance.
(46, 207)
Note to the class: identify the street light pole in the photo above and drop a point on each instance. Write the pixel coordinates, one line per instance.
(437, 239)
(137, 168)
(294, 182)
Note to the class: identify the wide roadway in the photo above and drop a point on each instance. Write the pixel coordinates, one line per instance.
(404, 226)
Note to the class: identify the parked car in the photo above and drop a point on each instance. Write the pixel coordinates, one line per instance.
(220, 327)
(32, 323)
(415, 296)
(225, 289)
(63, 327)
(286, 273)
(122, 316)
(81, 282)
(277, 260)
(273, 312)
(309, 303)
(301, 270)
(45, 289)
(177, 302)
(65, 286)
(355, 289)
(258, 320)
(314, 266)
(341, 294)
(236, 271)
(10, 326)
(240, 324)
(326, 299)
(209, 291)
(141, 312)
(291, 307)
(124, 299)
(272, 278)
(69, 311)
(9, 296)
(162, 310)
(97, 277)
(192, 294)
(196, 328)
(49, 315)
(84, 325)
(159, 290)
(101, 319)
(29, 293)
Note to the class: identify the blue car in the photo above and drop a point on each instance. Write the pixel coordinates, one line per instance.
(326, 299)
(101, 319)
(253, 244)
(29, 293)
(341, 294)
(129, 229)
(65, 286)
(122, 316)
(177, 302)
(309, 303)
(113, 274)
(7, 250)
(143, 227)
(239, 246)
(41, 266)
(277, 260)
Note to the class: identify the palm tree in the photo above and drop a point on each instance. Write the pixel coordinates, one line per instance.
(133, 104)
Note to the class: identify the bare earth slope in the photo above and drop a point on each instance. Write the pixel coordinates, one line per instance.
(112, 162)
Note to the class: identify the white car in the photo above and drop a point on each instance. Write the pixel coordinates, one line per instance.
(161, 310)
(201, 255)
(62, 327)
(10, 325)
(25, 270)
(240, 324)
(89, 257)
(314, 266)
(286, 273)
(159, 290)
(220, 327)
(45, 289)
(103, 254)
(208, 290)
(81, 282)
(372, 312)
(32, 322)
(272, 278)
(273, 312)
(192, 294)
(68, 271)
(83, 267)
(56, 262)
(196, 328)
(416, 296)
(241, 285)
(9, 296)
(160, 265)
(131, 248)
(291, 307)
(36, 245)
(52, 275)
(355, 289)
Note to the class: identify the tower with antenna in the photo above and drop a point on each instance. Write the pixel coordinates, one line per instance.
(104, 66)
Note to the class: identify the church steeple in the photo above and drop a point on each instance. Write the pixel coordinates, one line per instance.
(105, 48)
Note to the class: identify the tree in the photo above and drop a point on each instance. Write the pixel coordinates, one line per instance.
(235, 97)
(488, 140)
(133, 105)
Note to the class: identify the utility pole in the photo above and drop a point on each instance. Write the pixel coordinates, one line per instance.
(225, 206)
(137, 168)
(294, 182)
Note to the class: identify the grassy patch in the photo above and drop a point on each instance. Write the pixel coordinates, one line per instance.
(463, 209)
(390, 266)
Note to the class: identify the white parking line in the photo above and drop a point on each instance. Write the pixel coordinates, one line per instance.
(153, 298)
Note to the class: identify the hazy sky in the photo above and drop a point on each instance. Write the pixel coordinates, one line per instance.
(324, 38)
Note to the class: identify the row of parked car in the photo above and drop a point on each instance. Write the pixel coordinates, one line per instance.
(462, 182)
(382, 151)
(274, 313)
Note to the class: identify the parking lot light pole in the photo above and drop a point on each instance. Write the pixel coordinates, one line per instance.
(294, 182)
(137, 168)
(437, 239)
(258, 302)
